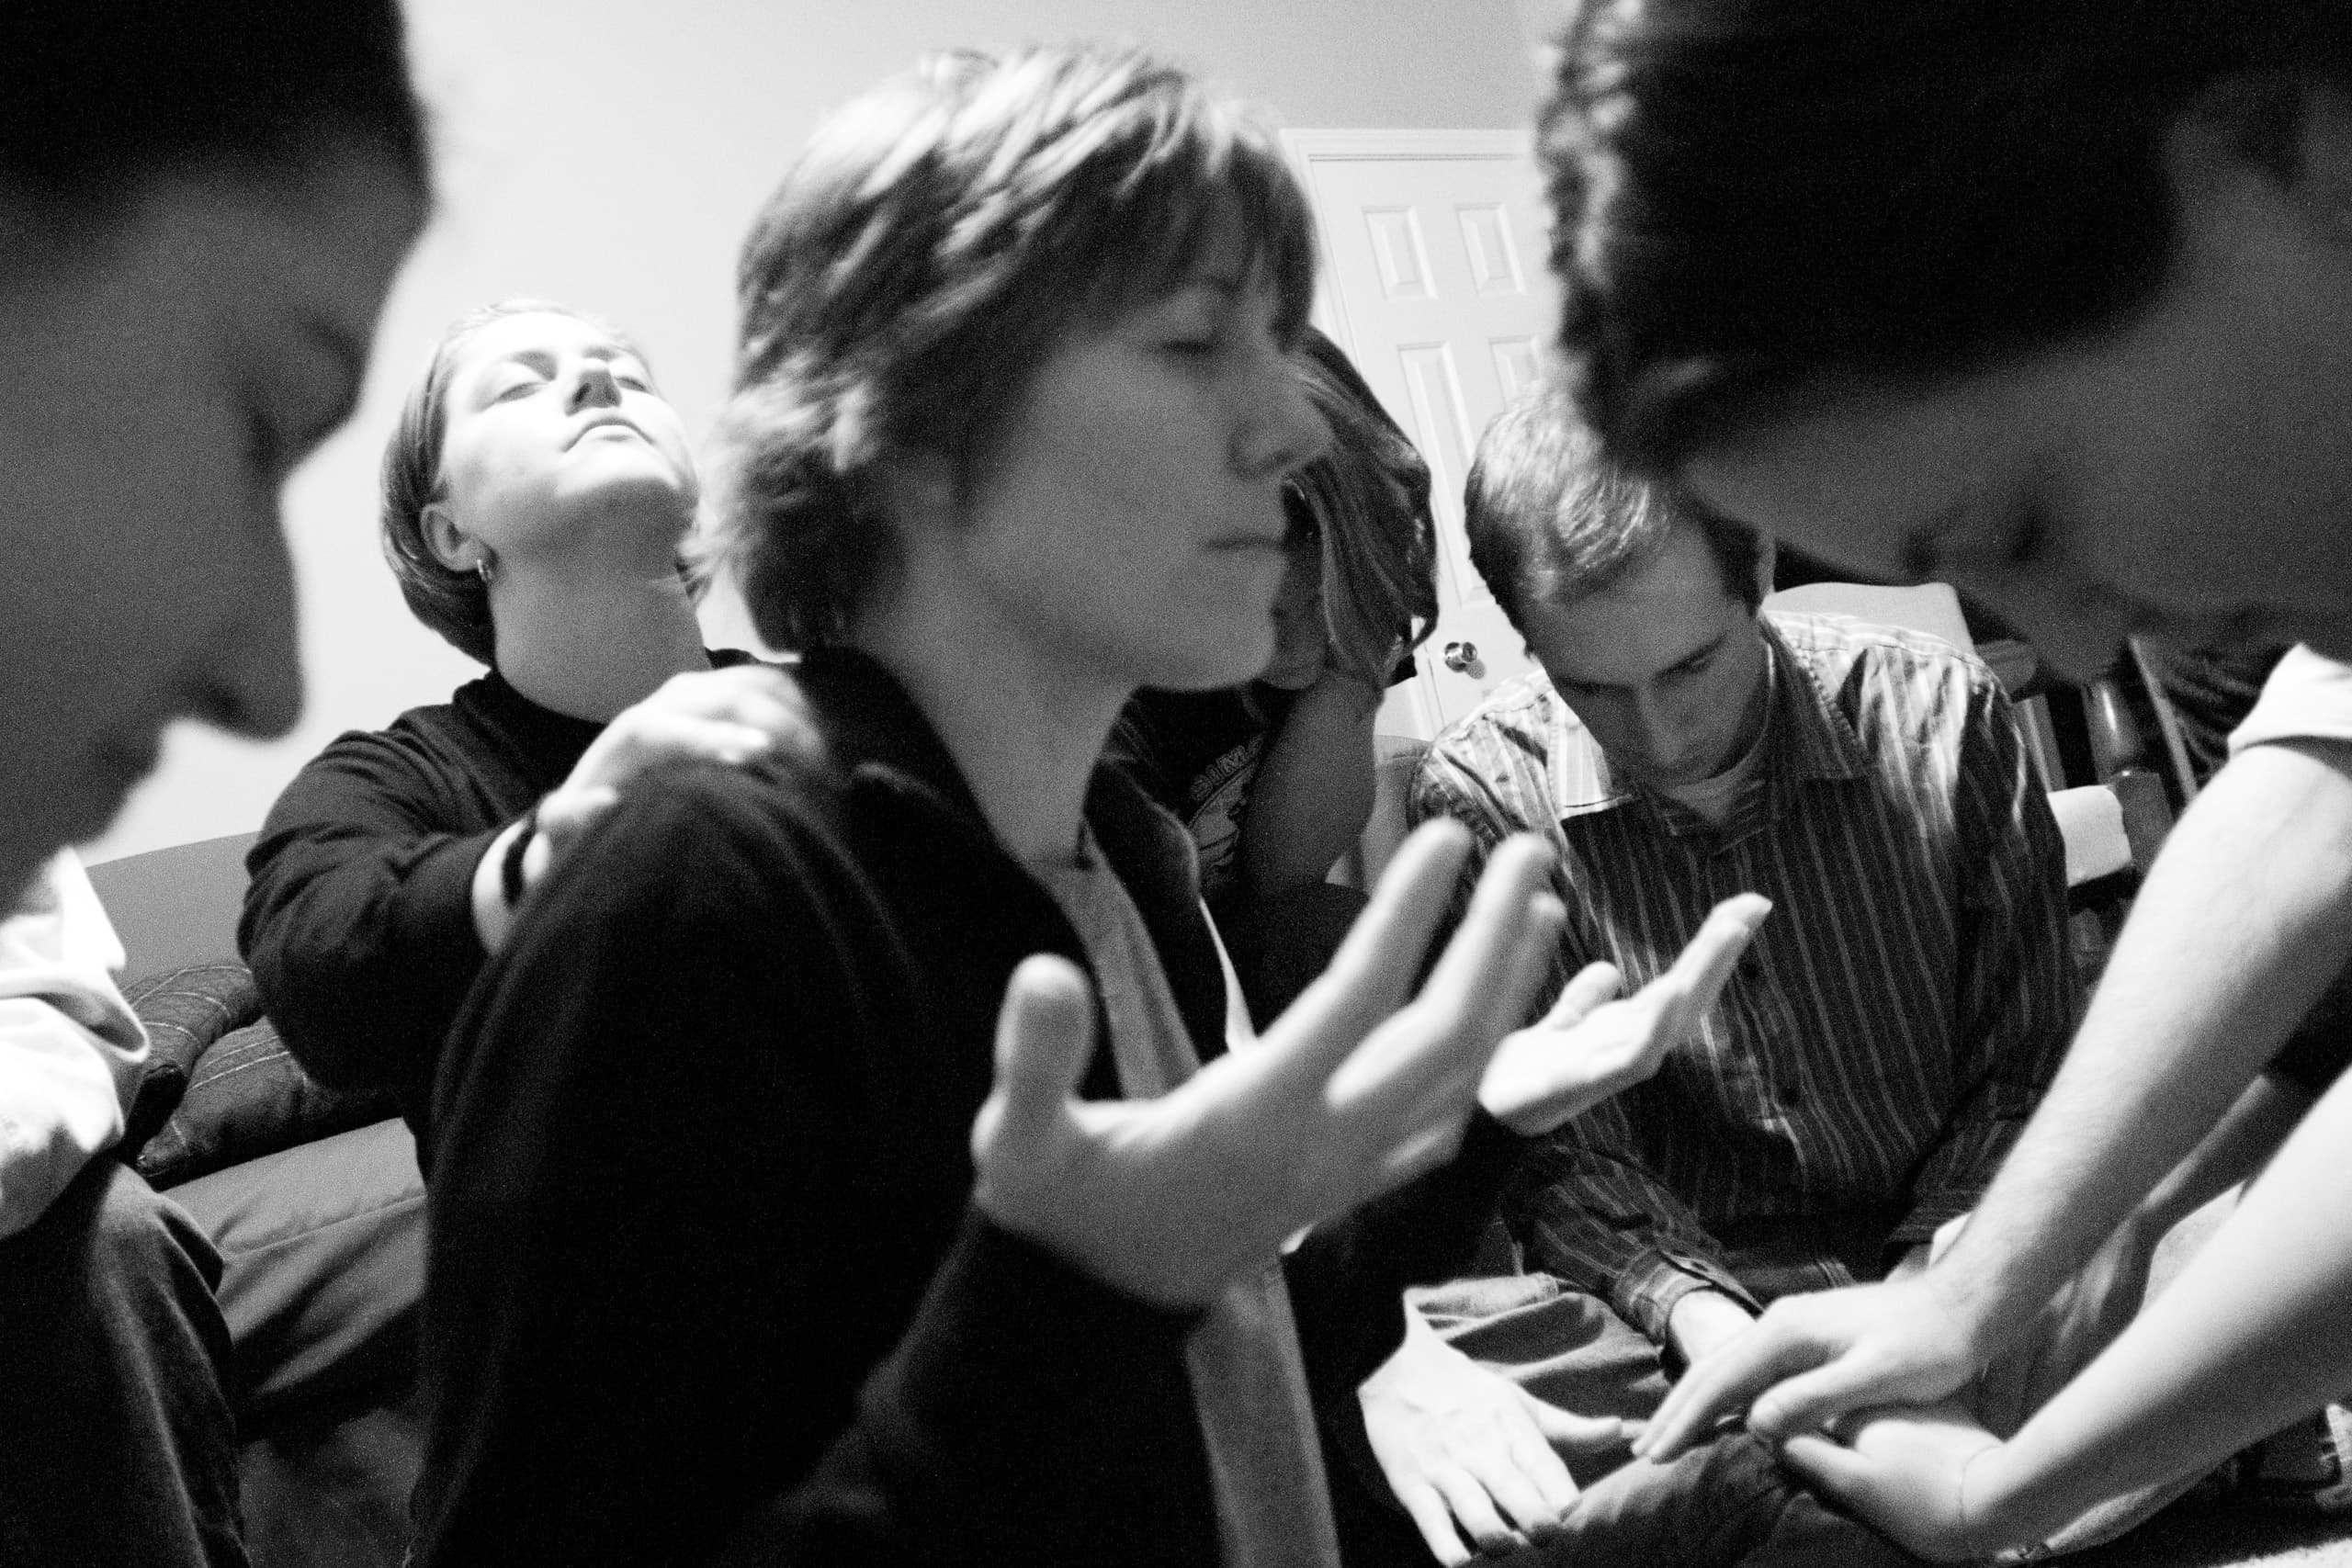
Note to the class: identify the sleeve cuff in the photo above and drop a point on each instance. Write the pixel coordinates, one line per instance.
(1649, 1291)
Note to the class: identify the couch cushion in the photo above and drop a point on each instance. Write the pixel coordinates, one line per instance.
(248, 1097)
(184, 1009)
(323, 1266)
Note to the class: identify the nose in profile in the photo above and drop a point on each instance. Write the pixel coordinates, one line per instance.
(247, 677)
(1282, 431)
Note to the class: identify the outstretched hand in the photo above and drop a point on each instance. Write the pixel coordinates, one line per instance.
(1898, 1342)
(1906, 1471)
(1469, 1452)
(1589, 1047)
(1359, 1085)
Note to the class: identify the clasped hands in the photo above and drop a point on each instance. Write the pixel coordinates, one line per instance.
(1879, 1396)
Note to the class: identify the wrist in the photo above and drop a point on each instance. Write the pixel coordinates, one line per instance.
(1703, 1319)
(1988, 1502)
(1969, 1302)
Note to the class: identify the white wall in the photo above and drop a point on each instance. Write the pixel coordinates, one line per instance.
(609, 153)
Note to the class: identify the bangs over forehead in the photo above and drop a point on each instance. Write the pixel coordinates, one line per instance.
(935, 242)
(991, 204)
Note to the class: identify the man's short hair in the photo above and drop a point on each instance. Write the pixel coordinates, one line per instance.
(1552, 520)
(1747, 196)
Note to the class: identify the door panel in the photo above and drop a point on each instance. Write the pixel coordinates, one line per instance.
(1434, 248)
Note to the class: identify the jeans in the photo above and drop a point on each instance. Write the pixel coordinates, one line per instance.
(1727, 1503)
(116, 1444)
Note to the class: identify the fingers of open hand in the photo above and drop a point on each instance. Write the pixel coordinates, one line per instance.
(1868, 1346)
(1401, 1098)
(1577, 1434)
(768, 700)
(1903, 1470)
(570, 811)
(643, 736)
(1587, 989)
(1373, 972)
(1836, 1471)
(1722, 1383)
(1433, 1520)
(1699, 974)
(1437, 1420)
(1859, 1484)
(1455, 1470)
(1043, 1036)
(1479, 977)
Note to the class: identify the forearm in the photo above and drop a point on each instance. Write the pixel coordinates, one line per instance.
(2246, 1339)
(363, 951)
(1626, 1240)
(2247, 1135)
(1314, 788)
(2240, 926)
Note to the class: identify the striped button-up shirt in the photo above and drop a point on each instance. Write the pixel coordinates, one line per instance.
(1893, 1023)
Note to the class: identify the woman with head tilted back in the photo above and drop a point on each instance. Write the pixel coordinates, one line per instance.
(537, 492)
(201, 206)
(753, 1220)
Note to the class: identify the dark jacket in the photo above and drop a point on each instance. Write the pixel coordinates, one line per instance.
(705, 1263)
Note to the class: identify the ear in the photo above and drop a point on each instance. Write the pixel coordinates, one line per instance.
(1768, 556)
(450, 545)
(2288, 135)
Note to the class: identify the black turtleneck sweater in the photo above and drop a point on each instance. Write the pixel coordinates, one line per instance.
(358, 921)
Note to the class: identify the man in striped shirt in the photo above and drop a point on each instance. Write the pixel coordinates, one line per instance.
(1892, 1026)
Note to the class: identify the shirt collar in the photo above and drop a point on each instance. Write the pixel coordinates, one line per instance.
(1806, 737)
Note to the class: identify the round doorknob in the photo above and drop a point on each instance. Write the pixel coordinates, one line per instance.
(1460, 656)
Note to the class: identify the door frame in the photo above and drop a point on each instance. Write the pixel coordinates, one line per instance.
(1413, 708)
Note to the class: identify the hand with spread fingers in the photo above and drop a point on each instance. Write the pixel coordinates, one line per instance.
(1812, 1358)
(1359, 1085)
(1589, 1046)
(1907, 1472)
(1469, 1452)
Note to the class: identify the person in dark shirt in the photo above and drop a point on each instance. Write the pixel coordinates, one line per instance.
(768, 1222)
(536, 494)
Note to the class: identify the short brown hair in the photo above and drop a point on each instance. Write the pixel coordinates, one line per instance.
(1551, 519)
(931, 247)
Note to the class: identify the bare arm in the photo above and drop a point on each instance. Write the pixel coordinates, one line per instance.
(1314, 789)
(2246, 1339)
(2239, 929)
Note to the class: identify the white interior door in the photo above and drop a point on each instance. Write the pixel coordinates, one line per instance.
(1435, 281)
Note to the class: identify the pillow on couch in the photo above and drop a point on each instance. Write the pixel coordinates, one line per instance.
(242, 1096)
(184, 1009)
